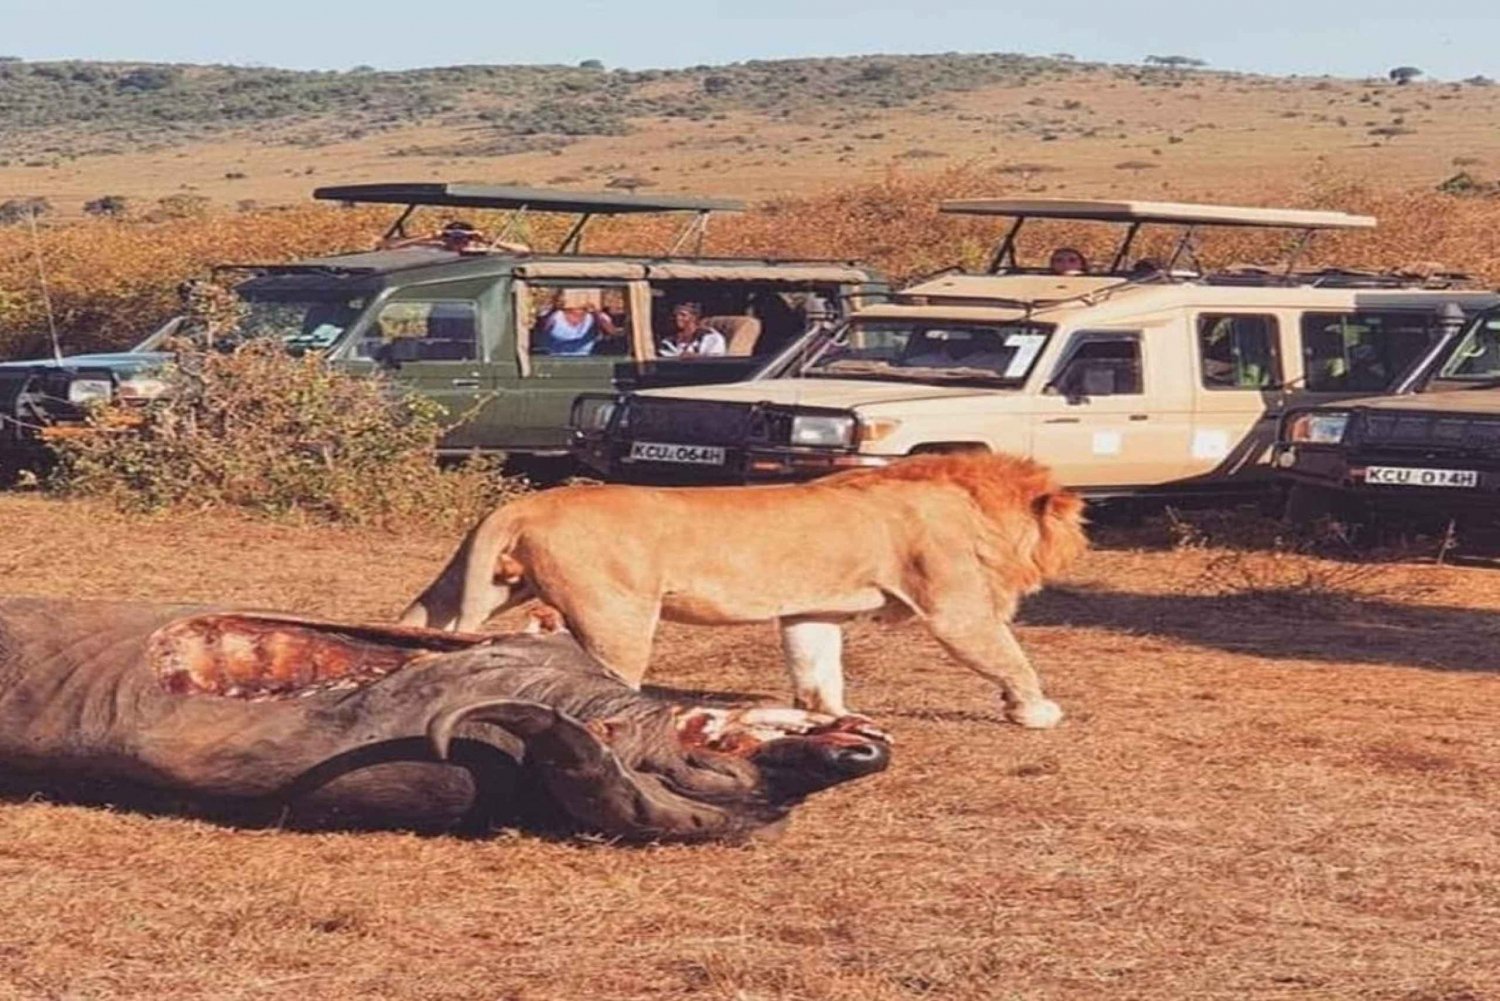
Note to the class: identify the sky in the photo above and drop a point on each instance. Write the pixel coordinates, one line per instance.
(1448, 40)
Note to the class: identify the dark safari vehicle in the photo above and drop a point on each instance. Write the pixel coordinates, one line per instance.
(1431, 448)
(496, 331)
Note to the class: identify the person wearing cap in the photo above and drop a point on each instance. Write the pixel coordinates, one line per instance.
(690, 336)
(573, 326)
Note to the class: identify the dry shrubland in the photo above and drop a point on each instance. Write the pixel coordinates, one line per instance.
(112, 281)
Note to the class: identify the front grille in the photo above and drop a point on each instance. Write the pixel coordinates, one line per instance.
(693, 422)
(1432, 433)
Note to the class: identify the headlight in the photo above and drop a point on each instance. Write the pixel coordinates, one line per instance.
(142, 387)
(830, 431)
(82, 391)
(592, 413)
(1318, 428)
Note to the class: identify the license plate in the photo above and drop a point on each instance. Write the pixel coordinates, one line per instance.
(693, 455)
(1406, 476)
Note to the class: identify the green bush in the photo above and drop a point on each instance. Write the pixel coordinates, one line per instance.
(260, 429)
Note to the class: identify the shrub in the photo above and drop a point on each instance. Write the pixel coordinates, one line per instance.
(260, 429)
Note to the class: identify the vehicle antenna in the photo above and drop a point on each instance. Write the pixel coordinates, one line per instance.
(41, 275)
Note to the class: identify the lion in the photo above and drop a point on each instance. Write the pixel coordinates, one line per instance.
(955, 540)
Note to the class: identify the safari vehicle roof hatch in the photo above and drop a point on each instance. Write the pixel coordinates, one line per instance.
(1135, 214)
(518, 201)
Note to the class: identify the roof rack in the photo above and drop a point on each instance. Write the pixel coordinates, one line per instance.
(520, 200)
(1136, 214)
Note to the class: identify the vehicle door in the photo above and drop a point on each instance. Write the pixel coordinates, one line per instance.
(431, 337)
(1115, 411)
(573, 335)
(1239, 392)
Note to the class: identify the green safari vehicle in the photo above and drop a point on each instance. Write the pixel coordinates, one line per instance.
(502, 334)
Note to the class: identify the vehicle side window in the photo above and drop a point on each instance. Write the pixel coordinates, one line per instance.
(1238, 351)
(579, 321)
(1104, 364)
(417, 330)
(1363, 352)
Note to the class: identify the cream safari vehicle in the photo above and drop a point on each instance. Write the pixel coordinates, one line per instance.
(1138, 379)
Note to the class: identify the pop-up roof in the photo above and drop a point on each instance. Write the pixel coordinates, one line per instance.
(1136, 214)
(519, 201)
(1172, 213)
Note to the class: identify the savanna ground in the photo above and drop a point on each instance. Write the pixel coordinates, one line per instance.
(1276, 780)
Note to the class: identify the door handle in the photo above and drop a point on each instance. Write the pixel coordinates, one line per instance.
(465, 383)
(1140, 417)
(1061, 420)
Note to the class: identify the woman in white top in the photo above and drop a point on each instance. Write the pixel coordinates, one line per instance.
(573, 325)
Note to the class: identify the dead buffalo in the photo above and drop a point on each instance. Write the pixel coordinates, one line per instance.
(272, 719)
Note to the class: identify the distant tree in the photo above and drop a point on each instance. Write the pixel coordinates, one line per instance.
(148, 78)
(17, 210)
(1064, 57)
(362, 69)
(1404, 74)
(11, 59)
(591, 64)
(1479, 81)
(107, 206)
(716, 84)
(876, 71)
(1175, 62)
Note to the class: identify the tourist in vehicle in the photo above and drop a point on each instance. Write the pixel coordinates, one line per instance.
(690, 336)
(1068, 261)
(456, 237)
(573, 325)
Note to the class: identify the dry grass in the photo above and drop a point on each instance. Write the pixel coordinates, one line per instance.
(113, 282)
(1239, 805)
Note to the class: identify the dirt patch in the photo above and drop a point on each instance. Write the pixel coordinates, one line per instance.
(1238, 805)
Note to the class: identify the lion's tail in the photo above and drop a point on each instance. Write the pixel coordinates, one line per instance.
(1059, 515)
(481, 578)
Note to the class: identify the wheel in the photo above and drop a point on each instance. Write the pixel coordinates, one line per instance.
(1306, 503)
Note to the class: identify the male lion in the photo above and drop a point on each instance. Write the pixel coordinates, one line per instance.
(953, 539)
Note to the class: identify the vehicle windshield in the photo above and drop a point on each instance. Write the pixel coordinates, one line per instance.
(928, 351)
(303, 321)
(1476, 358)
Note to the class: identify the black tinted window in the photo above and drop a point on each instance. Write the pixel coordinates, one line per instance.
(1238, 351)
(1363, 352)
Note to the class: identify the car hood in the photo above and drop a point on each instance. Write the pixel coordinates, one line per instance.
(1475, 401)
(837, 393)
(123, 362)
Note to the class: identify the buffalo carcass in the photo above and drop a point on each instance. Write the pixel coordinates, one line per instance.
(274, 719)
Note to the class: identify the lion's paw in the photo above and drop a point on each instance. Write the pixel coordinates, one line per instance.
(1039, 715)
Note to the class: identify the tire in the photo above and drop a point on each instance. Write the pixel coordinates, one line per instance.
(1306, 503)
